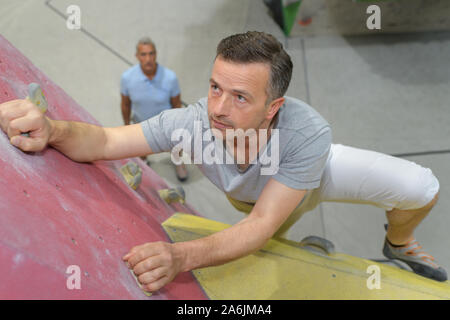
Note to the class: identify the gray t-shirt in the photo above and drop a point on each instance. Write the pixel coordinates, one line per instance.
(304, 138)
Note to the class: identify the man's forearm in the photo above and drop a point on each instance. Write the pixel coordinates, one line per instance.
(126, 114)
(81, 142)
(176, 105)
(176, 102)
(242, 239)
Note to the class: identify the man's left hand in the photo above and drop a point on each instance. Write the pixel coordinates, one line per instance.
(155, 264)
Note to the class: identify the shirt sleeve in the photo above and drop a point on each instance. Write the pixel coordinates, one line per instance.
(123, 86)
(175, 87)
(169, 128)
(303, 165)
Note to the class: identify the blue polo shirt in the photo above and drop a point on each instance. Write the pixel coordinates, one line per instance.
(149, 97)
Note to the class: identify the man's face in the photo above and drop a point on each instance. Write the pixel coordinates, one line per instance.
(237, 96)
(146, 55)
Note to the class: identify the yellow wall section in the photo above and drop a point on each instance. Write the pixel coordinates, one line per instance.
(283, 270)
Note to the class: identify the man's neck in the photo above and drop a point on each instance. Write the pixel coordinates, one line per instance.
(259, 144)
(151, 74)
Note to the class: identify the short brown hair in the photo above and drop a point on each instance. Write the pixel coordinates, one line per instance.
(254, 46)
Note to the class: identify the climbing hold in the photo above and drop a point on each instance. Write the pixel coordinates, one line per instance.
(36, 96)
(148, 294)
(173, 195)
(132, 174)
(313, 242)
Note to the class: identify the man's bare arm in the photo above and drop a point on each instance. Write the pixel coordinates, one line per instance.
(157, 263)
(271, 210)
(84, 142)
(79, 141)
(175, 102)
(125, 106)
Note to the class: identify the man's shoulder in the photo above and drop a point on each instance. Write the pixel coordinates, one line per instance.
(203, 103)
(296, 115)
(200, 110)
(168, 73)
(130, 72)
(299, 122)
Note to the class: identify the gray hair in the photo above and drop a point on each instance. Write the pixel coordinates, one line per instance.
(145, 41)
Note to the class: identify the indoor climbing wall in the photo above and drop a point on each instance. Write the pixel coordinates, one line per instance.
(56, 213)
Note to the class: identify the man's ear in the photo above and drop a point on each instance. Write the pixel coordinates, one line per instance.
(274, 106)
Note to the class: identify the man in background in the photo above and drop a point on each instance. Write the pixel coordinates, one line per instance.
(147, 89)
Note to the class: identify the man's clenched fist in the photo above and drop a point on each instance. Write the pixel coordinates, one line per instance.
(155, 264)
(22, 116)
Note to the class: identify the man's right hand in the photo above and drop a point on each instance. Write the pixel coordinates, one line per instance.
(22, 116)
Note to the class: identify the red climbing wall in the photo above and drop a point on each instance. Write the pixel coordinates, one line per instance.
(55, 213)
